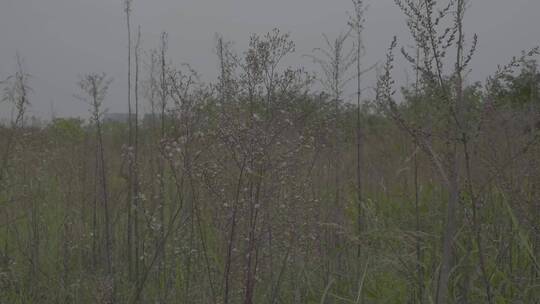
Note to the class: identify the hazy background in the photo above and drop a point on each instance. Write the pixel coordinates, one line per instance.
(61, 39)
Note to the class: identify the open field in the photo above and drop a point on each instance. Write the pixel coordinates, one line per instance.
(271, 185)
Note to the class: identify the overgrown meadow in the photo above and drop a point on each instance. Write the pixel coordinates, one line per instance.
(272, 185)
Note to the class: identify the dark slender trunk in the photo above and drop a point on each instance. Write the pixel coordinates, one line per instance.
(419, 271)
(359, 139)
(162, 205)
(230, 244)
(105, 197)
(476, 220)
(129, 228)
(137, 202)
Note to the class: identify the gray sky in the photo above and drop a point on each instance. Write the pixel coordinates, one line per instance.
(61, 39)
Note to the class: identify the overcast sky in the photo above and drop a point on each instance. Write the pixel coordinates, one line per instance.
(61, 39)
